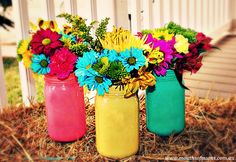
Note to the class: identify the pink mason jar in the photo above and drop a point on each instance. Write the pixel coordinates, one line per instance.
(65, 108)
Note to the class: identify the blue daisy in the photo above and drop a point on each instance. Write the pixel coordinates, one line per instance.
(132, 59)
(111, 54)
(84, 65)
(40, 64)
(94, 81)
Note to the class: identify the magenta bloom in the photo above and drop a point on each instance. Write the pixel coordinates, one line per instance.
(62, 63)
(166, 47)
(45, 41)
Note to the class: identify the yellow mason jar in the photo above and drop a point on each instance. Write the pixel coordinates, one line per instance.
(117, 124)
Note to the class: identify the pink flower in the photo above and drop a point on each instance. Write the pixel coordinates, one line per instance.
(166, 47)
(62, 63)
(45, 42)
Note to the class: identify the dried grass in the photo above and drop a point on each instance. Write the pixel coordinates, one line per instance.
(210, 131)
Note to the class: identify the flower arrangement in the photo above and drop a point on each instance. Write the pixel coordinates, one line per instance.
(121, 62)
(53, 51)
(174, 47)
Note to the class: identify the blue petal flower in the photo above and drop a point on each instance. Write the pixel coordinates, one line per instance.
(40, 64)
(132, 59)
(84, 64)
(112, 55)
(87, 60)
(95, 81)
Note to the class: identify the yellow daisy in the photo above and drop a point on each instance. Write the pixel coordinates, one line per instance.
(162, 34)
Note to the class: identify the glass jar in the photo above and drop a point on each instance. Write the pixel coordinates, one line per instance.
(165, 106)
(65, 108)
(117, 124)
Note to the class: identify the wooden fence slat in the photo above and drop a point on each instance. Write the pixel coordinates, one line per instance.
(134, 9)
(50, 9)
(121, 14)
(110, 11)
(71, 6)
(167, 16)
(22, 26)
(192, 14)
(157, 13)
(3, 93)
(147, 14)
(184, 13)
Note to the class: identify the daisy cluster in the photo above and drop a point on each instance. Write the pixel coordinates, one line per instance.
(53, 51)
(174, 47)
(121, 63)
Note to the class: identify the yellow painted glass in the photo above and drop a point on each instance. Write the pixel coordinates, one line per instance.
(117, 124)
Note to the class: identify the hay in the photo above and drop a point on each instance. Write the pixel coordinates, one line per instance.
(210, 131)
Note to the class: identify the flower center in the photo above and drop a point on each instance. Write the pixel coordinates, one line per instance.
(44, 63)
(88, 66)
(156, 57)
(161, 37)
(132, 60)
(46, 41)
(99, 79)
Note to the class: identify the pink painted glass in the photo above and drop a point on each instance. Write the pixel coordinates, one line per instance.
(65, 108)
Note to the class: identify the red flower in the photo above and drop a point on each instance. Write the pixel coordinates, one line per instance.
(204, 41)
(45, 41)
(62, 63)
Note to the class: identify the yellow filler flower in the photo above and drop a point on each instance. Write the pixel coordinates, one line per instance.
(24, 51)
(121, 39)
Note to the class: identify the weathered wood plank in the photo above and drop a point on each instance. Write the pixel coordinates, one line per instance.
(213, 85)
(212, 78)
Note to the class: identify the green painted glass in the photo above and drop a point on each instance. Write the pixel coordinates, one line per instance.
(165, 106)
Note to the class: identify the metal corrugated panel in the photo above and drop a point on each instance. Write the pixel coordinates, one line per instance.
(217, 77)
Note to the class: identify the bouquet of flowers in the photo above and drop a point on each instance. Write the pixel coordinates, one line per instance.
(174, 47)
(54, 52)
(121, 62)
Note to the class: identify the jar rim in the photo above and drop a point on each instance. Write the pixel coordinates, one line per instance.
(53, 79)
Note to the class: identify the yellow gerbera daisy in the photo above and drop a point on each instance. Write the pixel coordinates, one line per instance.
(162, 34)
(121, 39)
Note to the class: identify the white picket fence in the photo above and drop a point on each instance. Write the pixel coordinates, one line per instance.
(214, 17)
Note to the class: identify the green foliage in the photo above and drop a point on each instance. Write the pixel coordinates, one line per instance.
(99, 33)
(79, 27)
(186, 32)
(147, 31)
(102, 28)
(117, 71)
(101, 67)
(175, 29)
(82, 31)
(79, 48)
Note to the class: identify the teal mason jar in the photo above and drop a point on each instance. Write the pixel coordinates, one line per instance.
(165, 106)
